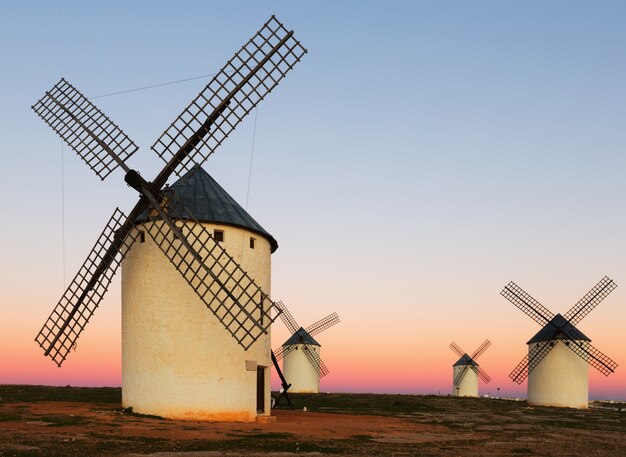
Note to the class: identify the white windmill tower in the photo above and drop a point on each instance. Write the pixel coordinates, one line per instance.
(180, 360)
(302, 364)
(465, 371)
(166, 347)
(559, 354)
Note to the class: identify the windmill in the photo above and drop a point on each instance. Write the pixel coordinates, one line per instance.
(302, 365)
(211, 275)
(559, 354)
(465, 372)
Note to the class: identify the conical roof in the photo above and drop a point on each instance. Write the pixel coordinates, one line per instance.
(465, 360)
(557, 329)
(209, 202)
(301, 336)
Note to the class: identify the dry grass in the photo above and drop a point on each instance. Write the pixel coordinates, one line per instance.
(69, 421)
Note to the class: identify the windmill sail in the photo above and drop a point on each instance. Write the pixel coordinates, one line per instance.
(482, 374)
(72, 313)
(591, 299)
(481, 349)
(456, 348)
(101, 144)
(460, 375)
(601, 362)
(322, 324)
(287, 318)
(521, 370)
(283, 351)
(315, 360)
(527, 304)
(220, 282)
(248, 77)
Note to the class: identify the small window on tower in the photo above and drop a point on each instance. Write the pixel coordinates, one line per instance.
(218, 235)
(142, 236)
(252, 240)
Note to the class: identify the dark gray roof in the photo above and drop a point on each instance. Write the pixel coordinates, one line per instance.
(465, 360)
(558, 328)
(209, 202)
(301, 337)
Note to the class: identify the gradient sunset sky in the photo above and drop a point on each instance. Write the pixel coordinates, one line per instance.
(420, 157)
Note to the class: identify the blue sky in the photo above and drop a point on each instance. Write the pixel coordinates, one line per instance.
(422, 155)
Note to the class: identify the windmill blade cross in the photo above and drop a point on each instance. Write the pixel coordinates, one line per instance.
(99, 142)
(313, 329)
(238, 87)
(592, 299)
(456, 348)
(240, 305)
(322, 324)
(481, 349)
(527, 304)
(72, 313)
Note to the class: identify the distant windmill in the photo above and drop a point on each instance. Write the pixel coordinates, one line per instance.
(465, 372)
(302, 365)
(178, 360)
(559, 354)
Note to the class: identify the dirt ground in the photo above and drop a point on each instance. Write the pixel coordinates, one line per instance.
(72, 421)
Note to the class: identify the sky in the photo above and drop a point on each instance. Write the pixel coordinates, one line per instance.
(420, 157)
